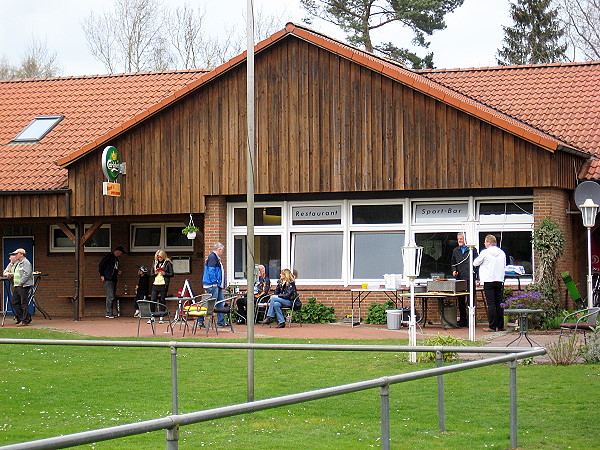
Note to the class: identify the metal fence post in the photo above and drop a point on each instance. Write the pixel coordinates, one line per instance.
(513, 402)
(174, 386)
(173, 433)
(439, 361)
(384, 395)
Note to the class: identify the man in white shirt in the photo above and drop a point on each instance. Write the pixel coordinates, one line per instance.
(492, 262)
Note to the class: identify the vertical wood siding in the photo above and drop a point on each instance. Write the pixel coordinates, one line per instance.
(323, 124)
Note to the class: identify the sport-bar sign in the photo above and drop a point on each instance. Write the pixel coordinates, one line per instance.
(111, 163)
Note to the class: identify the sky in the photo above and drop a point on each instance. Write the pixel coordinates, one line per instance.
(472, 37)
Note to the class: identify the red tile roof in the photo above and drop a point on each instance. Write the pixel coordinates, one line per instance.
(560, 99)
(91, 107)
(528, 105)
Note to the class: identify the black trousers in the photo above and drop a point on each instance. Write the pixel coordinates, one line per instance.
(493, 296)
(20, 303)
(158, 294)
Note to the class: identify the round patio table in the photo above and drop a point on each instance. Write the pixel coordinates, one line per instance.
(524, 314)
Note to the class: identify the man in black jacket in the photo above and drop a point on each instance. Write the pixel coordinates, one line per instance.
(109, 274)
(461, 270)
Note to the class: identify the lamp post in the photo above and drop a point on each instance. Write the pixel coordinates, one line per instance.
(470, 234)
(589, 210)
(411, 258)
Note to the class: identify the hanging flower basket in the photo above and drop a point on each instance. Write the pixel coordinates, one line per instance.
(190, 231)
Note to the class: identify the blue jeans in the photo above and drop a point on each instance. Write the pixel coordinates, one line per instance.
(275, 305)
(217, 293)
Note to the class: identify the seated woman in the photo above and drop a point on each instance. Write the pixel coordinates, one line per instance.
(261, 287)
(284, 295)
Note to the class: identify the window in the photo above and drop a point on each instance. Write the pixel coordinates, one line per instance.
(506, 212)
(38, 128)
(267, 251)
(99, 242)
(375, 254)
(517, 246)
(267, 216)
(437, 253)
(318, 255)
(151, 237)
(376, 214)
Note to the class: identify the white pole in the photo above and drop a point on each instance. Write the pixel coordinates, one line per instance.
(471, 297)
(412, 324)
(250, 195)
(590, 299)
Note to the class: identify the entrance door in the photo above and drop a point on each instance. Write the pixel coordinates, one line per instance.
(10, 244)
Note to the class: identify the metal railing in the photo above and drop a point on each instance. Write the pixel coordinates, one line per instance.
(173, 422)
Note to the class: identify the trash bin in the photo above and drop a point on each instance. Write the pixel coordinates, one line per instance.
(394, 319)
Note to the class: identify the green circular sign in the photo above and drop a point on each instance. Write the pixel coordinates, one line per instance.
(111, 163)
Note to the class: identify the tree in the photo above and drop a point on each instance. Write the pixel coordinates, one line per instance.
(536, 37)
(358, 18)
(145, 35)
(38, 62)
(130, 37)
(582, 22)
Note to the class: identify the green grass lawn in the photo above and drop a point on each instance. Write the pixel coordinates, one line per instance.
(52, 390)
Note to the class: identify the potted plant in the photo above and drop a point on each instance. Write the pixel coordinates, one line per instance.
(190, 231)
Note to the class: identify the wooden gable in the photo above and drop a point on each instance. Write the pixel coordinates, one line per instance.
(323, 124)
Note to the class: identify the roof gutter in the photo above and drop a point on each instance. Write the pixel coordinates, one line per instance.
(37, 192)
(571, 150)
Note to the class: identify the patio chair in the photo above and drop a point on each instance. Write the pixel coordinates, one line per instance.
(146, 313)
(227, 307)
(205, 309)
(587, 320)
(290, 310)
(261, 305)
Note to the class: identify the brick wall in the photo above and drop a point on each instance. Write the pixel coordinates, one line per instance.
(215, 225)
(60, 268)
(554, 203)
(340, 298)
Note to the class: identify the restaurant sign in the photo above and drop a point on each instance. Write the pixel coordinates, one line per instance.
(441, 212)
(111, 163)
(302, 213)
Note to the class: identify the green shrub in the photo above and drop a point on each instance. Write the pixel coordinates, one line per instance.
(565, 352)
(591, 351)
(313, 312)
(445, 340)
(376, 314)
(553, 322)
(533, 300)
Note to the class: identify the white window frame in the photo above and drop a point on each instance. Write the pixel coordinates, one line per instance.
(287, 230)
(54, 249)
(163, 238)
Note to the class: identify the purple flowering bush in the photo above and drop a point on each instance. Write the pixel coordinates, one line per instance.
(533, 300)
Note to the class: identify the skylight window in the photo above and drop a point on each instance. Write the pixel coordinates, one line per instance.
(38, 128)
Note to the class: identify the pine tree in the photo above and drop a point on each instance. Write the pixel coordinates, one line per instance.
(357, 18)
(536, 37)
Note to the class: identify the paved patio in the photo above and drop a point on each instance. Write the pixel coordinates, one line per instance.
(101, 327)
